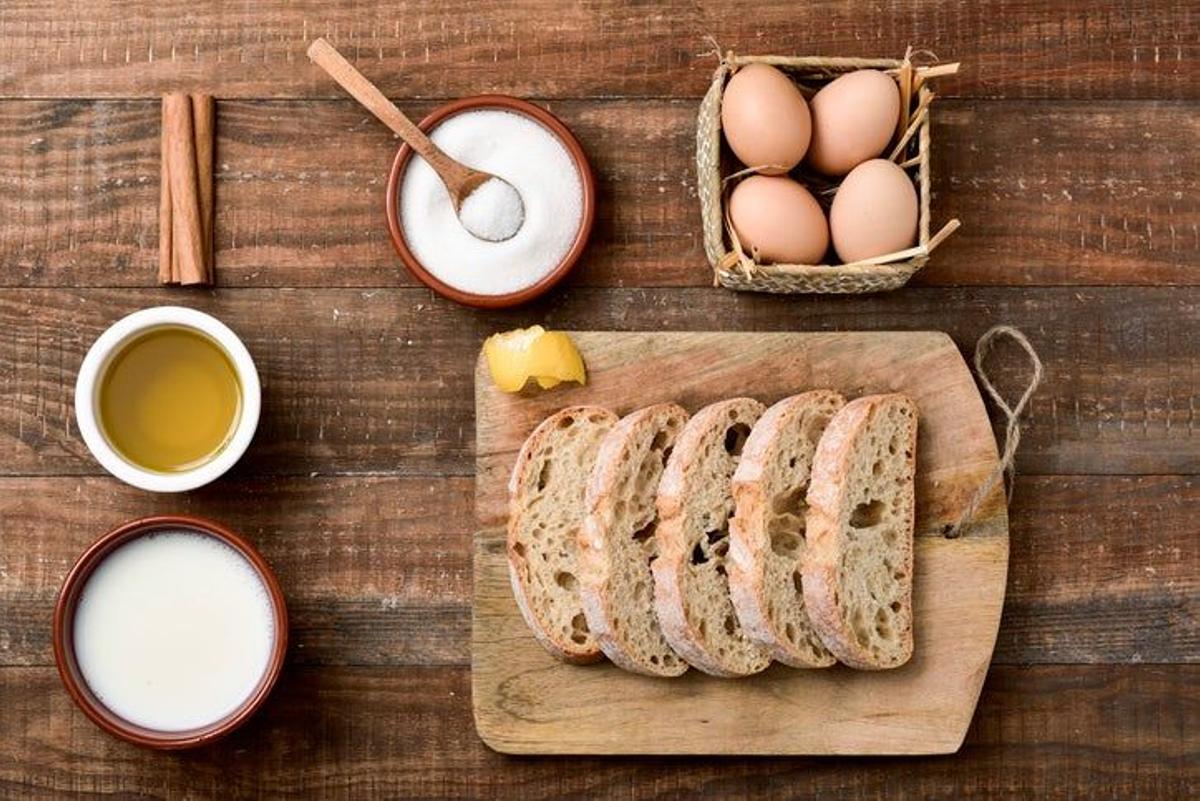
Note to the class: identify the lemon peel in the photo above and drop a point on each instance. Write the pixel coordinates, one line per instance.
(547, 357)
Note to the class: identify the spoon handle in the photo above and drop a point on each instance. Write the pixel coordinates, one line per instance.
(326, 56)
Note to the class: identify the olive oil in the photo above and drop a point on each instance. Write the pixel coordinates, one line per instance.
(169, 400)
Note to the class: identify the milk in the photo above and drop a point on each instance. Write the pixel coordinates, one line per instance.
(173, 630)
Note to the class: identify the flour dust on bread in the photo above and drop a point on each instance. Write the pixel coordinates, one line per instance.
(859, 571)
(768, 538)
(545, 500)
(695, 502)
(618, 546)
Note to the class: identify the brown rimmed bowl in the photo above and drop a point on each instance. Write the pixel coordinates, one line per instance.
(586, 179)
(64, 646)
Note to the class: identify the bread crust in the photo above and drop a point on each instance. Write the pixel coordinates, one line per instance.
(611, 483)
(518, 569)
(675, 536)
(754, 485)
(829, 510)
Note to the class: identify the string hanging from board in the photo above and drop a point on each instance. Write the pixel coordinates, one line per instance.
(1012, 414)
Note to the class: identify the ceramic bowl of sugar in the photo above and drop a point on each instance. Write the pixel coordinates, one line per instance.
(170, 631)
(530, 149)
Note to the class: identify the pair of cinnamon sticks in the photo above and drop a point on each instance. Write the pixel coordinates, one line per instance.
(185, 208)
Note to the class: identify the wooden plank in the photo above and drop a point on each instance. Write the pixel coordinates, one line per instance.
(380, 380)
(1051, 732)
(1053, 193)
(1048, 194)
(1102, 569)
(377, 568)
(543, 48)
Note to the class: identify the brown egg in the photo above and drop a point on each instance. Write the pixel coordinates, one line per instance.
(853, 119)
(777, 220)
(765, 119)
(874, 212)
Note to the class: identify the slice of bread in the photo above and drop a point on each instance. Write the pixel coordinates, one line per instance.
(695, 502)
(858, 575)
(545, 512)
(767, 536)
(618, 544)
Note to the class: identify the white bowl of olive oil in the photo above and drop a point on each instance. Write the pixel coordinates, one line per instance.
(167, 399)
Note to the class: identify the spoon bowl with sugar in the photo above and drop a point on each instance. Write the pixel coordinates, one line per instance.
(489, 207)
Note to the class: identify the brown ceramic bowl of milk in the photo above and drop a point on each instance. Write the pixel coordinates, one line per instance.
(170, 631)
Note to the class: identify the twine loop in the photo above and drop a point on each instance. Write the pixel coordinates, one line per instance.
(1012, 429)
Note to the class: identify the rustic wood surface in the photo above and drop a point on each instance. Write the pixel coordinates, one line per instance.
(1103, 190)
(1066, 145)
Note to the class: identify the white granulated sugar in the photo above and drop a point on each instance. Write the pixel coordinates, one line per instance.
(535, 163)
(493, 211)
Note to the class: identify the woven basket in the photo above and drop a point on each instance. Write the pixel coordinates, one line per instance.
(733, 267)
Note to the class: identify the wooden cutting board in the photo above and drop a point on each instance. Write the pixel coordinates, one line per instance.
(525, 701)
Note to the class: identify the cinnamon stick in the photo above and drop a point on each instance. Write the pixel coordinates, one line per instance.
(166, 253)
(203, 123)
(186, 202)
(187, 236)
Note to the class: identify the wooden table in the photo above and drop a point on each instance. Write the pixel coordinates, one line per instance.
(1067, 146)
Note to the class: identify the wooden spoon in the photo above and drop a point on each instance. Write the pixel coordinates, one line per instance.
(461, 181)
